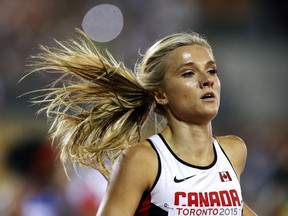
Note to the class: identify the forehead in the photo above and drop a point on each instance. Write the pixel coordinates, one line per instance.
(192, 53)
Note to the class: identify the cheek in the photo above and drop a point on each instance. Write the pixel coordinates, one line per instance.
(183, 91)
(218, 86)
(189, 88)
(191, 85)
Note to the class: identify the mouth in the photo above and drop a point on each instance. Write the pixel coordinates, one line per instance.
(208, 95)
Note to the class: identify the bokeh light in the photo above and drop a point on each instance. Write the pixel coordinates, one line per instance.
(103, 22)
(249, 38)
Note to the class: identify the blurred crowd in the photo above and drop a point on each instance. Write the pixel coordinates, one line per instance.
(250, 40)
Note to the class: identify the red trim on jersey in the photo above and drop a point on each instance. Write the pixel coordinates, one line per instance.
(144, 207)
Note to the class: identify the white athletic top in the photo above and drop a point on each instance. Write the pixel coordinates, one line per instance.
(185, 189)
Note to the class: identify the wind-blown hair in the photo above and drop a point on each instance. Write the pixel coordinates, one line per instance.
(98, 107)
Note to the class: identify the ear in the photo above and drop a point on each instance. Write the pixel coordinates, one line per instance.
(160, 96)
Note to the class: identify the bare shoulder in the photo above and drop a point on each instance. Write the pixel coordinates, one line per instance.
(141, 154)
(140, 149)
(137, 160)
(235, 149)
(231, 141)
(132, 174)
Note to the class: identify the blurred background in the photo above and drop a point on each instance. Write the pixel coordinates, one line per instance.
(250, 41)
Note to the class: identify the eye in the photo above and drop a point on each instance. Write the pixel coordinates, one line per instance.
(188, 74)
(212, 71)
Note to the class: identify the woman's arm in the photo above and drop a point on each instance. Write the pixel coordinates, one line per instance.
(132, 174)
(247, 211)
(236, 150)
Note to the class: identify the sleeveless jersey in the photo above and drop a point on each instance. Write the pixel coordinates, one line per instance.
(185, 189)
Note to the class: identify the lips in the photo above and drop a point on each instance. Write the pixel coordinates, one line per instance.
(208, 95)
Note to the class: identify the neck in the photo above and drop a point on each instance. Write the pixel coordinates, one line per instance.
(191, 143)
(186, 136)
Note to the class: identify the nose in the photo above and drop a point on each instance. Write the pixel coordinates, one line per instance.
(206, 81)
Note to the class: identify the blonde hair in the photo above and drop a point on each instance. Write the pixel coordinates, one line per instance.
(98, 107)
(152, 67)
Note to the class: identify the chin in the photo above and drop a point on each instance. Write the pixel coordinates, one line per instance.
(211, 114)
(213, 111)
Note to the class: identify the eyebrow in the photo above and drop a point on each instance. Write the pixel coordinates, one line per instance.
(211, 62)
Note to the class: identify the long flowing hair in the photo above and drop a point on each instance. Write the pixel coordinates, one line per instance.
(97, 107)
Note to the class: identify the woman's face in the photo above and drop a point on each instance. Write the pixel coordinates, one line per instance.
(191, 90)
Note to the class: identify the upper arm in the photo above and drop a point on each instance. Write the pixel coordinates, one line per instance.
(236, 151)
(248, 211)
(132, 174)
